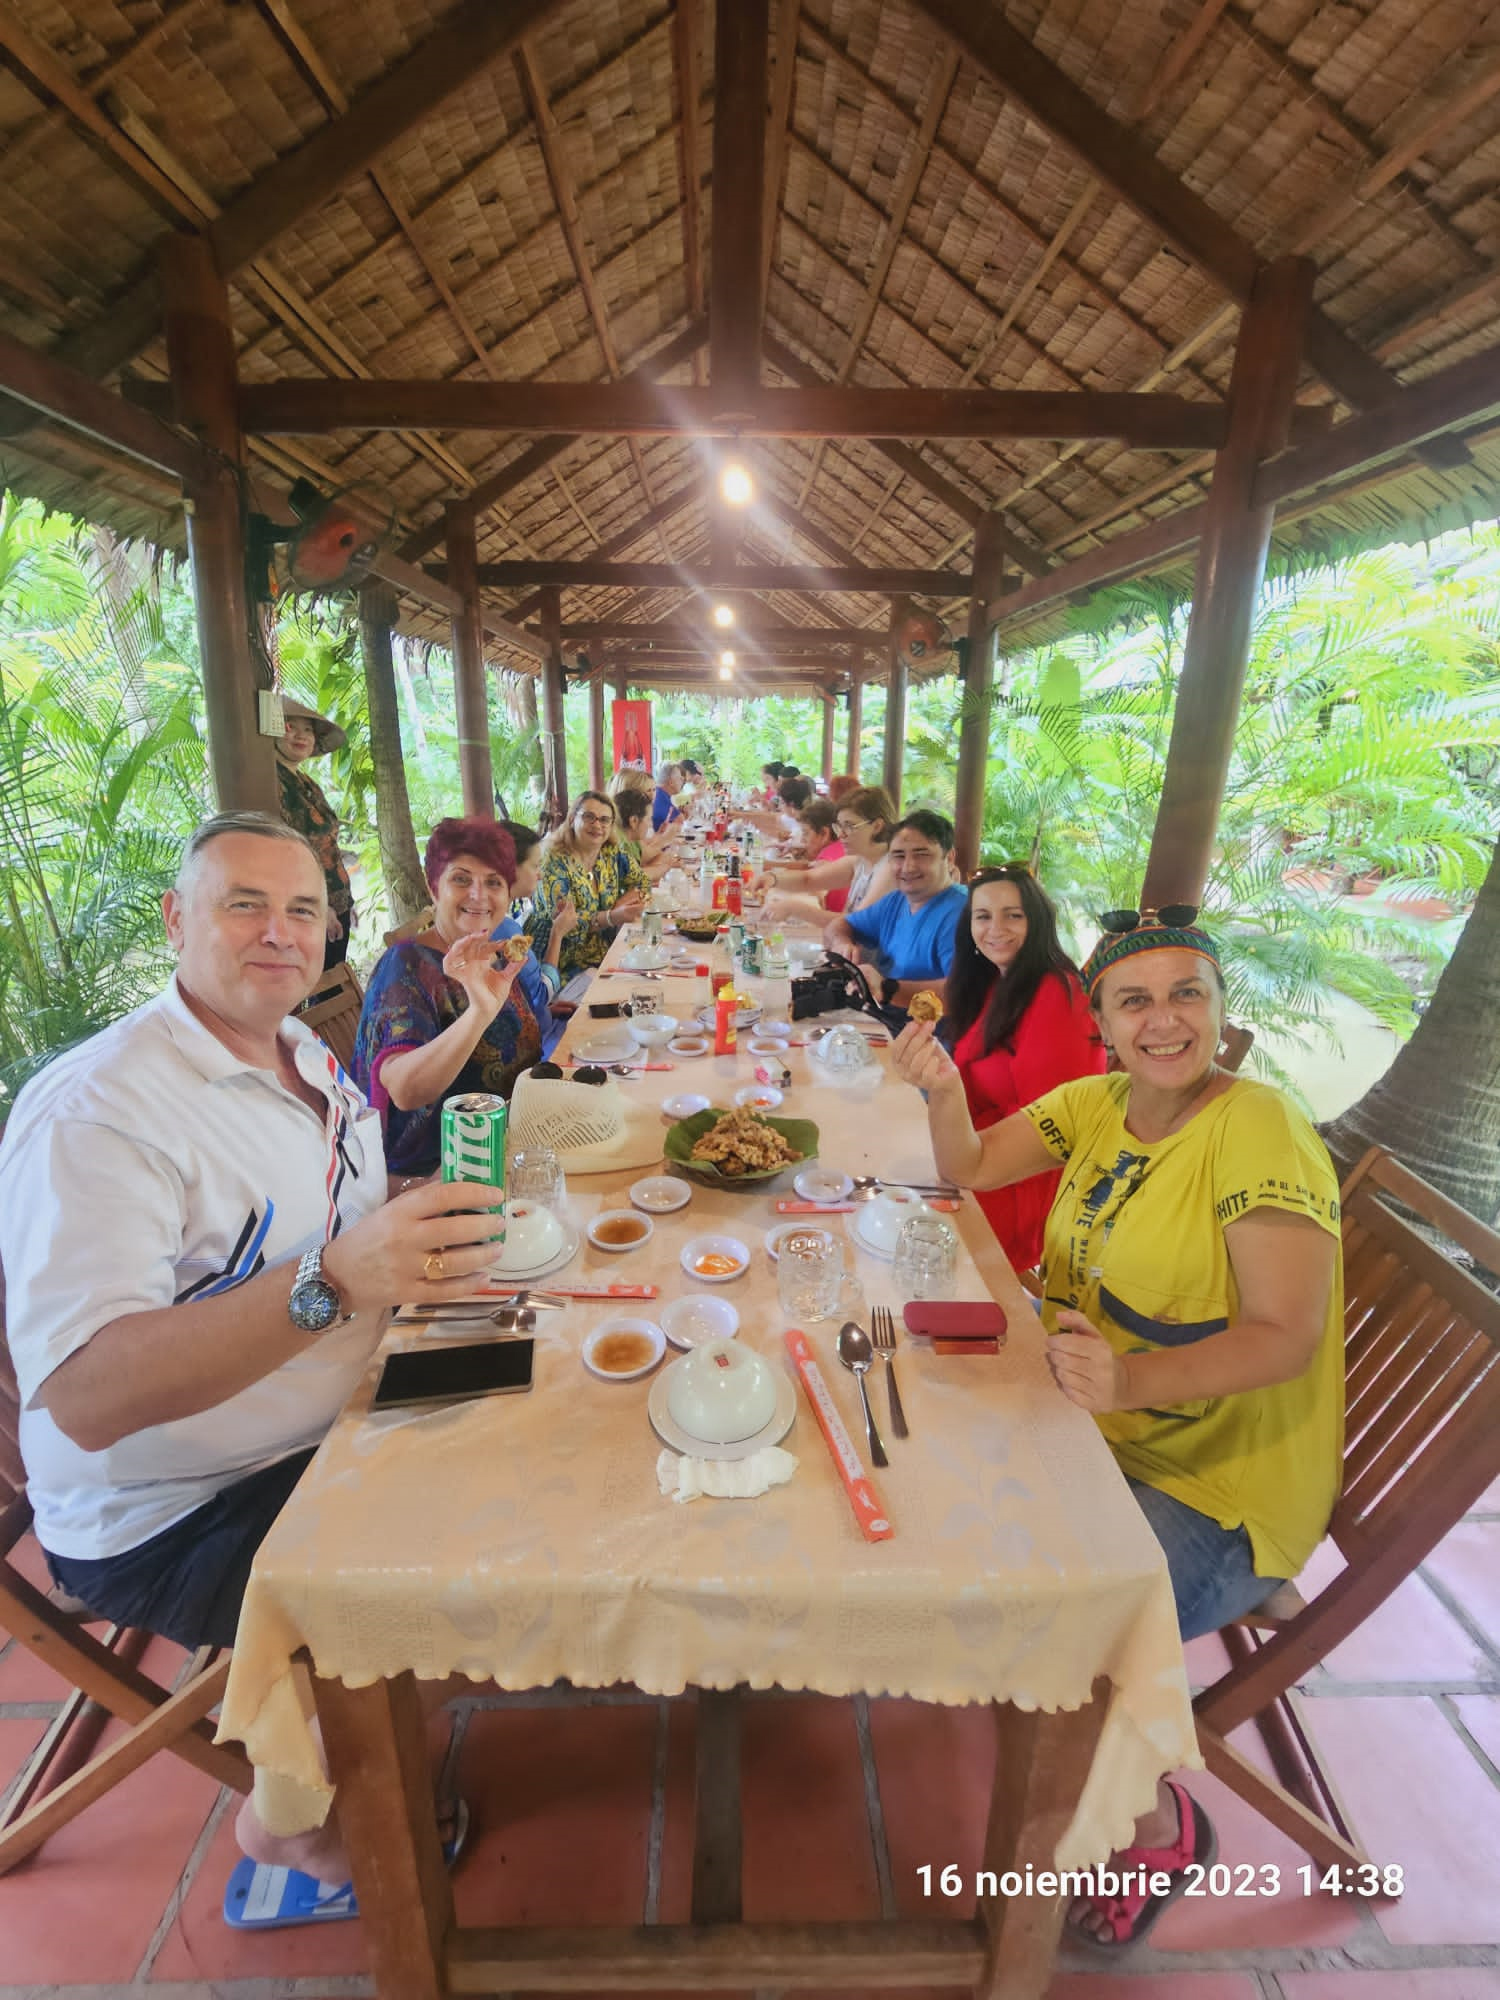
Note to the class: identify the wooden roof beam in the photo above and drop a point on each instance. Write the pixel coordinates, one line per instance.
(687, 637)
(687, 73)
(1070, 116)
(673, 576)
(44, 384)
(686, 496)
(736, 300)
(1156, 422)
(778, 119)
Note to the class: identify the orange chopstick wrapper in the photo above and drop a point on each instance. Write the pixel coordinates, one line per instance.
(873, 1521)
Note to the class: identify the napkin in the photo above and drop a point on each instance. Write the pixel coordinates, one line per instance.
(724, 1479)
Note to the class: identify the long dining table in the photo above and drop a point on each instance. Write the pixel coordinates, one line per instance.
(526, 1541)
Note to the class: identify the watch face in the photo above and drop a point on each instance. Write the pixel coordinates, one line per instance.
(313, 1305)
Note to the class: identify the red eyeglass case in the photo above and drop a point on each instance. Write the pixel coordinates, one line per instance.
(958, 1326)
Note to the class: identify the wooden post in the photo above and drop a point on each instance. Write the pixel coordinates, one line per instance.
(554, 742)
(205, 393)
(470, 698)
(856, 721)
(597, 764)
(895, 704)
(399, 862)
(828, 712)
(1231, 565)
(974, 729)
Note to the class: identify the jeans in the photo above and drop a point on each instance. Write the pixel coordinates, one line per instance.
(187, 1583)
(1213, 1579)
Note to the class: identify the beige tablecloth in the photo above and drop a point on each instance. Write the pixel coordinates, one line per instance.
(523, 1539)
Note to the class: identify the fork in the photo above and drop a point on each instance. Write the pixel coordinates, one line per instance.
(883, 1334)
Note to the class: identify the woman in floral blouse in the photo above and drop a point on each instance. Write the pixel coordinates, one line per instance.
(586, 863)
(303, 806)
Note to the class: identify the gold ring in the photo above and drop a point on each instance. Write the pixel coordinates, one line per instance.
(434, 1270)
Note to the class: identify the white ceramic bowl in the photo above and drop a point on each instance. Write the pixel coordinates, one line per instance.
(766, 1045)
(744, 1017)
(879, 1221)
(684, 1105)
(690, 1322)
(616, 1332)
(759, 1096)
(651, 1030)
(659, 1194)
(642, 1229)
(645, 958)
(615, 1044)
(715, 1246)
(774, 1031)
(722, 1392)
(823, 1184)
(532, 1235)
(689, 1045)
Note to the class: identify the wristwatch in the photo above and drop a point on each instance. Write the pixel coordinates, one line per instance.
(888, 991)
(315, 1303)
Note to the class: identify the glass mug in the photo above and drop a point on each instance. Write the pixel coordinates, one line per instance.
(925, 1264)
(647, 1001)
(535, 1175)
(651, 927)
(809, 1275)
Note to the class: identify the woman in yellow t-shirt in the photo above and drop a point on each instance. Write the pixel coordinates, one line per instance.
(1193, 1292)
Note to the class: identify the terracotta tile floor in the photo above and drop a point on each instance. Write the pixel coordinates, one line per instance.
(583, 1813)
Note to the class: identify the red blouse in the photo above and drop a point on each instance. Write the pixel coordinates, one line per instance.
(1056, 1040)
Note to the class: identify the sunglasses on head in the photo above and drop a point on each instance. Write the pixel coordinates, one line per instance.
(1173, 915)
(1004, 868)
(549, 1072)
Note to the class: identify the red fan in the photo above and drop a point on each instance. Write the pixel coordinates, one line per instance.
(332, 548)
(921, 637)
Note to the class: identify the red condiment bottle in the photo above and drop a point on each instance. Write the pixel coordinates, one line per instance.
(734, 889)
(724, 1012)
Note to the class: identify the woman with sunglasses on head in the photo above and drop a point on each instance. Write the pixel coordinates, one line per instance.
(585, 864)
(1194, 1299)
(864, 823)
(445, 1012)
(1018, 1022)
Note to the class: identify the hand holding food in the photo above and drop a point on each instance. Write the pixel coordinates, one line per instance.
(470, 963)
(920, 1059)
(514, 949)
(925, 1007)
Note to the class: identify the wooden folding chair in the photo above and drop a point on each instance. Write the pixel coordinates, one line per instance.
(422, 921)
(331, 1010)
(1422, 1373)
(66, 1772)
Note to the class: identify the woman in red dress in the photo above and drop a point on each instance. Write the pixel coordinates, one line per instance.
(1018, 1022)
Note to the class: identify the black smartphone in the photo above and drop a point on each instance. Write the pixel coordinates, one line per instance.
(453, 1374)
(606, 1010)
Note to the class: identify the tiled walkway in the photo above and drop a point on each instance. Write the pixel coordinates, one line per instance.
(582, 1814)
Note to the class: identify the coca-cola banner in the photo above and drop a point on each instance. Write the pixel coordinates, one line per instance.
(632, 733)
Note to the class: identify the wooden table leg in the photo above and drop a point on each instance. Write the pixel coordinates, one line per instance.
(376, 1742)
(717, 1833)
(1041, 1765)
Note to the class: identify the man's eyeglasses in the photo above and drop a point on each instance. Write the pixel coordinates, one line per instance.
(1175, 915)
(596, 819)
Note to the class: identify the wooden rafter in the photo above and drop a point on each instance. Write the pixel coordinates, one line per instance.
(675, 576)
(293, 404)
(565, 201)
(783, 88)
(682, 636)
(918, 157)
(687, 71)
(685, 496)
(1067, 114)
(741, 57)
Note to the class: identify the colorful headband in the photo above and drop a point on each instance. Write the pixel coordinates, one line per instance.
(1113, 946)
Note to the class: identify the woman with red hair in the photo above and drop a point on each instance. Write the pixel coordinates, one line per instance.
(445, 1012)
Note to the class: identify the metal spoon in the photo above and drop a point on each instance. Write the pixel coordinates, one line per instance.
(858, 1356)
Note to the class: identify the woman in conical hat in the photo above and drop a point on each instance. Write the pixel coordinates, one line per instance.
(304, 806)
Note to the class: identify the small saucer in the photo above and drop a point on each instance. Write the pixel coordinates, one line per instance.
(659, 1194)
(688, 1322)
(823, 1184)
(690, 1045)
(759, 1096)
(623, 1323)
(686, 1104)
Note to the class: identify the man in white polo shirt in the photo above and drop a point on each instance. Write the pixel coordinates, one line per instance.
(198, 1247)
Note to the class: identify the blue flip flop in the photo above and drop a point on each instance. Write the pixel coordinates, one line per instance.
(259, 1897)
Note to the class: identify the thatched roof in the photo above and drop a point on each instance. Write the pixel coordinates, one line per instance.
(549, 217)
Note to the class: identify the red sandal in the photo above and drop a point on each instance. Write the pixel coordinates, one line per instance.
(1132, 1913)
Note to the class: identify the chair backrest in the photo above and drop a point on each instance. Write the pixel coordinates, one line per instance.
(331, 1010)
(422, 921)
(12, 1472)
(1422, 1362)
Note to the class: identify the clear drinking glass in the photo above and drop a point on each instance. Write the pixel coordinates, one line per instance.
(651, 927)
(925, 1265)
(535, 1175)
(645, 1000)
(809, 1275)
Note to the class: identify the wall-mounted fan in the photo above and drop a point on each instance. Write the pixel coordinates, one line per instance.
(921, 638)
(331, 548)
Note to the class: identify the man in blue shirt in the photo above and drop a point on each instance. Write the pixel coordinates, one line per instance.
(911, 930)
(668, 784)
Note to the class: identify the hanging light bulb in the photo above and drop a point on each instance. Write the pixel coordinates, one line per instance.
(726, 663)
(736, 485)
(726, 673)
(723, 616)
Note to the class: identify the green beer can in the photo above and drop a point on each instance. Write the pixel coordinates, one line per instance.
(473, 1138)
